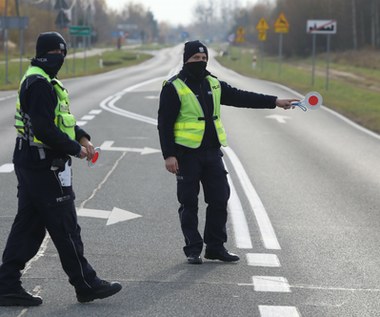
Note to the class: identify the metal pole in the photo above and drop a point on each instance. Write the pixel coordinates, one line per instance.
(328, 61)
(313, 61)
(5, 32)
(280, 54)
(21, 50)
(262, 56)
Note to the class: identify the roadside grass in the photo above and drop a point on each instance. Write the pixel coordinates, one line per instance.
(353, 90)
(75, 67)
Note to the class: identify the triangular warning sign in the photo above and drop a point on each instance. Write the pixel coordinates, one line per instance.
(262, 25)
(281, 25)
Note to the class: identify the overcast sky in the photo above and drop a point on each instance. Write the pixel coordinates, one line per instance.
(172, 11)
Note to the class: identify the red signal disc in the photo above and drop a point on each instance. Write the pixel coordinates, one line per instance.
(95, 157)
(313, 100)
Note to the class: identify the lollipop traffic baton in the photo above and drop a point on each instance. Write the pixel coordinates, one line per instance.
(92, 162)
(312, 101)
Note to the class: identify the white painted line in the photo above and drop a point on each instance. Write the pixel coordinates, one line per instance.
(151, 97)
(263, 259)
(107, 146)
(81, 123)
(239, 222)
(8, 97)
(40, 254)
(116, 215)
(109, 103)
(88, 117)
(278, 311)
(6, 168)
(95, 111)
(270, 284)
(266, 229)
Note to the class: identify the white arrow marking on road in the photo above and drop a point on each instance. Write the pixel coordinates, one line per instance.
(107, 146)
(6, 168)
(114, 216)
(278, 117)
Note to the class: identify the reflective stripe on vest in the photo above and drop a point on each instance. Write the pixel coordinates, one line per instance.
(190, 125)
(64, 120)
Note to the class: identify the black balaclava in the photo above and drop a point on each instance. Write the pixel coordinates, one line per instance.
(50, 63)
(195, 69)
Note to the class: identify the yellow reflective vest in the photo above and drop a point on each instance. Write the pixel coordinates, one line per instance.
(190, 125)
(64, 120)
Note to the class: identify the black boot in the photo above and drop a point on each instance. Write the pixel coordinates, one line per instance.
(222, 255)
(19, 298)
(102, 290)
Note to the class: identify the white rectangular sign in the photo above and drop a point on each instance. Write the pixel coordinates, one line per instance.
(321, 26)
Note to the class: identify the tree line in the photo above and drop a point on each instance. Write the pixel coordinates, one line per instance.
(133, 22)
(358, 22)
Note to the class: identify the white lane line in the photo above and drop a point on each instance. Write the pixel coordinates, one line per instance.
(81, 123)
(8, 97)
(276, 284)
(263, 259)
(87, 117)
(40, 254)
(95, 111)
(109, 103)
(278, 311)
(6, 168)
(239, 222)
(265, 226)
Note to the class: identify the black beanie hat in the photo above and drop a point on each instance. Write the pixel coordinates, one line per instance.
(193, 47)
(50, 41)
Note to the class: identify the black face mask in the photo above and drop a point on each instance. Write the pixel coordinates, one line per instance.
(196, 69)
(50, 63)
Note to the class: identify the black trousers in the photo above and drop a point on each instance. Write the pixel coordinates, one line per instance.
(202, 167)
(43, 204)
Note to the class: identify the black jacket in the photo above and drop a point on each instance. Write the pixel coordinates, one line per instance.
(170, 106)
(38, 99)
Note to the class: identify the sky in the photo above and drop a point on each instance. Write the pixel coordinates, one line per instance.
(173, 11)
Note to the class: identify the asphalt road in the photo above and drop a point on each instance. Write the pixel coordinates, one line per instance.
(303, 211)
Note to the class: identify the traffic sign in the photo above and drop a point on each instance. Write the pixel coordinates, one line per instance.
(262, 25)
(240, 35)
(281, 25)
(20, 23)
(321, 26)
(262, 36)
(80, 30)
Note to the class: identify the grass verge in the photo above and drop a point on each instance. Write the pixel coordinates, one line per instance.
(353, 91)
(74, 67)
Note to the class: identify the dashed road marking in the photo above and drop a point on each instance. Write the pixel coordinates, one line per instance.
(276, 284)
(87, 117)
(6, 168)
(263, 259)
(278, 311)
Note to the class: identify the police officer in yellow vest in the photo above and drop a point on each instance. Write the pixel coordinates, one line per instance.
(47, 137)
(191, 134)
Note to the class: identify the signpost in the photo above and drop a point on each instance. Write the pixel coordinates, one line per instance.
(326, 27)
(80, 30)
(262, 27)
(281, 26)
(84, 31)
